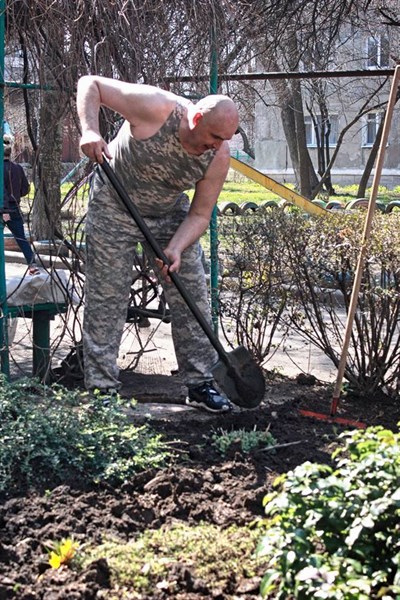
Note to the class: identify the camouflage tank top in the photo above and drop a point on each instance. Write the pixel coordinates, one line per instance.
(155, 171)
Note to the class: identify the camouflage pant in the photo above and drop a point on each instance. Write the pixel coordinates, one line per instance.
(111, 236)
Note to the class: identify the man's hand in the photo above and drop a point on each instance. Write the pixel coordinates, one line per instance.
(6, 217)
(93, 146)
(174, 257)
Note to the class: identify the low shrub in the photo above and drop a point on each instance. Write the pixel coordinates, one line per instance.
(333, 533)
(252, 299)
(322, 257)
(286, 272)
(50, 435)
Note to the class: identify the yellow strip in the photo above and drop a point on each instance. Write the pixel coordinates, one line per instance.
(278, 188)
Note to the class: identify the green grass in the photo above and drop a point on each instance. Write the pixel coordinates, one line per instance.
(212, 552)
(249, 191)
(246, 190)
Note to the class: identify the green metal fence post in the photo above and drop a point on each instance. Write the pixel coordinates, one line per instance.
(4, 357)
(213, 222)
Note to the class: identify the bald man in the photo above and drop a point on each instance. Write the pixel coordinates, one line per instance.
(165, 146)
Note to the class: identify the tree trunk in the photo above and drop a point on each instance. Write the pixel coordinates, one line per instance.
(292, 116)
(289, 128)
(307, 174)
(289, 96)
(362, 186)
(46, 205)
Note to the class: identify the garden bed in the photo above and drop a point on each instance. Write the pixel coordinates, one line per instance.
(200, 485)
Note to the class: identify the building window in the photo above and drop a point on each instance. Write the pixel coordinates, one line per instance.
(377, 52)
(370, 129)
(312, 135)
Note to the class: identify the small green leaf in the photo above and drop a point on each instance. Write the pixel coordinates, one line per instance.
(268, 582)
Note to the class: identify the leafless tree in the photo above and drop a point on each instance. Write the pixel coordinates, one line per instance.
(61, 40)
(156, 42)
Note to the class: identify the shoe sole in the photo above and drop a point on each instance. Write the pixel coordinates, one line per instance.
(195, 404)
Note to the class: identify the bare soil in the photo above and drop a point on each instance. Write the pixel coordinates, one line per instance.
(200, 485)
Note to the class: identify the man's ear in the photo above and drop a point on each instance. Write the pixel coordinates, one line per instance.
(197, 117)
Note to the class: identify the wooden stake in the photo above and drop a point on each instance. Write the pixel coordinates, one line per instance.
(365, 239)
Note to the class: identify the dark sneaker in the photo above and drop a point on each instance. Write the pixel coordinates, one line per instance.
(102, 397)
(206, 396)
(108, 395)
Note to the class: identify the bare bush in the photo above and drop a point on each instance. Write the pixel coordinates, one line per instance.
(252, 299)
(323, 257)
(287, 270)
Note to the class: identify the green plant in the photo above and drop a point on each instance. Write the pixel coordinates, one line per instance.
(214, 554)
(248, 440)
(333, 532)
(51, 435)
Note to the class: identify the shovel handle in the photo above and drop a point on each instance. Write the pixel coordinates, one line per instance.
(150, 239)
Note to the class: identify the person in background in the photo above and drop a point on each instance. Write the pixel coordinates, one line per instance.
(16, 185)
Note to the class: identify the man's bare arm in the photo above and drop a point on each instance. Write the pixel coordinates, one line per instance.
(139, 104)
(198, 218)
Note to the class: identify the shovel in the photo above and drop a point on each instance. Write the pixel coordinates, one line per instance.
(236, 372)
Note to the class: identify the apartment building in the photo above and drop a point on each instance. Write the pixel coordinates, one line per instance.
(353, 104)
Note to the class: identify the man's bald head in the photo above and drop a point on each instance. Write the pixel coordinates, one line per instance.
(218, 108)
(211, 123)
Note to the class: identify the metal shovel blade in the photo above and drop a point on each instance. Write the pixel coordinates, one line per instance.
(240, 378)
